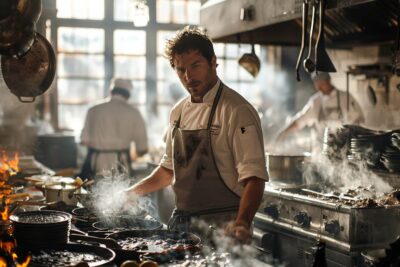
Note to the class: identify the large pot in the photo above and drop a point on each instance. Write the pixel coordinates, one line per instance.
(61, 192)
(286, 168)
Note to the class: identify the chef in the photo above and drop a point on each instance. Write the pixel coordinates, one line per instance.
(214, 156)
(326, 108)
(109, 131)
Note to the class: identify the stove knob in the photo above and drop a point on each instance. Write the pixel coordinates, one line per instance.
(332, 227)
(272, 211)
(303, 219)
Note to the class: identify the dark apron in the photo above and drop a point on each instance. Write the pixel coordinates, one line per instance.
(200, 191)
(89, 166)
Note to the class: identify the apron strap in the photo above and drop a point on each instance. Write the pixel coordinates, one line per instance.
(214, 106)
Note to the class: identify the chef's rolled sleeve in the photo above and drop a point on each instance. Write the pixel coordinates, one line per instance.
(247, 145)
(166, 160)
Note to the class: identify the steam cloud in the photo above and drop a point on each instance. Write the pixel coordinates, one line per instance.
(110, 199)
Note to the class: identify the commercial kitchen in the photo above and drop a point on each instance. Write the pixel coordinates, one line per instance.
(325, 191)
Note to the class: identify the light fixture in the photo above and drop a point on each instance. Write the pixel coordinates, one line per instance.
(140, 13)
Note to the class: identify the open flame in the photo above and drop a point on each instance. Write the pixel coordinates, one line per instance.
(9, 166)
(8, 245)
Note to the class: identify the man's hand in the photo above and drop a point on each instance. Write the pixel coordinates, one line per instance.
(239, 231)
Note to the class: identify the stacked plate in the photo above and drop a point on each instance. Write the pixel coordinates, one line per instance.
(33, 229)
(368, 148)
(395, 139)
(391, 158)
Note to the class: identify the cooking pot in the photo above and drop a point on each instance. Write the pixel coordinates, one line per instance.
(17, 35)
(32, 74)
(30, 9)
(286, 168)
(61, 192)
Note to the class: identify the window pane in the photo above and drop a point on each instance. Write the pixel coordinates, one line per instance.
(231, 70)
(219, 49)
(80, 9)
(179, 14)
(194, 12)
(128, 42)
(162, 37)
(130, 67)
(138, 93)
(232, 51)
(163, 11)
(75, 91)
(122, 10)
(178, 11)
(165, 71)
(81, 65)
(170, 92)
(80, 40)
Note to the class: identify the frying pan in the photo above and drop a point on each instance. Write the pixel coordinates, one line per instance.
(32, 74)
(191, 241)
(126, 223)
(106, 254)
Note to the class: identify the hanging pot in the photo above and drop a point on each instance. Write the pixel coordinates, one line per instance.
(32, 74)
(17, 35)
(7, 7)
(30, 9)
(250, 62)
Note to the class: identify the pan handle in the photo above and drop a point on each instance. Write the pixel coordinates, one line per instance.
(303, 37)
(108, 242)
(26, 99)
(308, 64)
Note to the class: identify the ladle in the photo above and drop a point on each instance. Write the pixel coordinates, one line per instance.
(371, 94)
(85, 183)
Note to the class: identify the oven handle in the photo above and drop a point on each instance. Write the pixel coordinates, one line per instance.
(265, 241)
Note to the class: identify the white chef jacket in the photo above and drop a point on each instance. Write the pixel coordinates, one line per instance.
(330, 108)
(236, 139)
(323, 111)
(111, 126)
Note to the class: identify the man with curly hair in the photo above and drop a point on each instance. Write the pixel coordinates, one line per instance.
(214, 156)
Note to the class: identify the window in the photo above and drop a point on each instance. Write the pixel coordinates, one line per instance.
(178, 11)
(232, 73)
(107, 44)
(80, 72)
(130, 61)
(81, 9)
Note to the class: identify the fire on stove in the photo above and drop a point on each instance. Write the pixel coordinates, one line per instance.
(9, 165)
(8, 245)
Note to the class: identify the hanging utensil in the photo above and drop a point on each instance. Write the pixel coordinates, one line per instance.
(30, 9)
(371, 93)
(32, 74)
(308, 63)
(17, 35)
(303, 37)
(322, 60)
(396, 54)
(251, 62)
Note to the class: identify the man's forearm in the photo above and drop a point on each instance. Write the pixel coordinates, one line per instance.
(250, 201)
(161, 177)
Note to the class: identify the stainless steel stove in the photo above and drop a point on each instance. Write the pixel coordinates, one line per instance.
(290, 222)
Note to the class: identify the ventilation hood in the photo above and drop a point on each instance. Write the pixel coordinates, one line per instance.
(348, 23)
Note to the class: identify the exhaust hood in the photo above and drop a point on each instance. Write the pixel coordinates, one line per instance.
(348, 23)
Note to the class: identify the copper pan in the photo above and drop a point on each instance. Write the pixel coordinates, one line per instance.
(32, 74)
(17, 35)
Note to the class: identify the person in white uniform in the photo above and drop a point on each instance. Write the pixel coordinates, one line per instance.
(109, 131)
(326, 108)
(214, 156)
